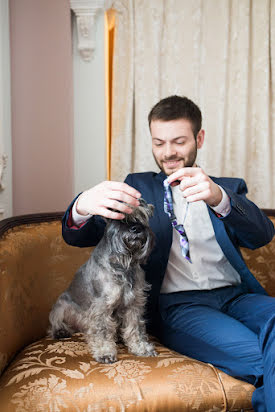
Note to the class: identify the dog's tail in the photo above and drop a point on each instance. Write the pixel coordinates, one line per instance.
(59, 329)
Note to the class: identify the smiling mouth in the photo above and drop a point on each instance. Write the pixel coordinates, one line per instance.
(171, 164)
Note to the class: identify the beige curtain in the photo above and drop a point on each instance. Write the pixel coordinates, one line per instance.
(221, 54)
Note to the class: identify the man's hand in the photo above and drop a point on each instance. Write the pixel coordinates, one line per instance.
(105, 196)
(196, 185)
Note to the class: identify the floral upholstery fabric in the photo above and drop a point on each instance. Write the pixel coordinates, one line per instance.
(35, 267)
(56, 376)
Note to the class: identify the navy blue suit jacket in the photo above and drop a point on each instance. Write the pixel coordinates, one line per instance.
(245, 226)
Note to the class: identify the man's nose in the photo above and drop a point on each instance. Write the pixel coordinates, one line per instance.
(169, 150)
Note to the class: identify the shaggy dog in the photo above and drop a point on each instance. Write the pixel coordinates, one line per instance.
(106, 299)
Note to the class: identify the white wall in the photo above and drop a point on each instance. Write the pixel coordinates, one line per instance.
(89, 112)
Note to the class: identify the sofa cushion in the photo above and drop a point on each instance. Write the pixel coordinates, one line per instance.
(52, 375)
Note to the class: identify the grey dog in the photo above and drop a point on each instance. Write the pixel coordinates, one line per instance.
(106, 298)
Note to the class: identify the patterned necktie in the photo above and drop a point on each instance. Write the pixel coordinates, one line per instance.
(168, 208)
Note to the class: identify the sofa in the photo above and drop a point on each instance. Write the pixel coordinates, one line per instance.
(41, 374)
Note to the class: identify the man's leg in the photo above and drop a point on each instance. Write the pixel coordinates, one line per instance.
(205, 333)
(257, 312)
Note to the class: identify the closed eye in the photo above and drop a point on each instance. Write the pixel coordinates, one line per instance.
(180, 141)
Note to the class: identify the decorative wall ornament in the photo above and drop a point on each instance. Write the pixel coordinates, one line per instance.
(86, 12)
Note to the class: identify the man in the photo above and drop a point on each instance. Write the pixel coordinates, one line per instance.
(206, 303)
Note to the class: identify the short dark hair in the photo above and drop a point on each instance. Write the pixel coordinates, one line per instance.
(174, 108)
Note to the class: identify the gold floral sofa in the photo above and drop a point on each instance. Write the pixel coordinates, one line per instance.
(42, 374)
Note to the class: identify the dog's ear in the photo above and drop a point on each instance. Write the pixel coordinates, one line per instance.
(151, 209)
(147, 206)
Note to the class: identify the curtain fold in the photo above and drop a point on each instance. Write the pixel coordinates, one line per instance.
(218, 53)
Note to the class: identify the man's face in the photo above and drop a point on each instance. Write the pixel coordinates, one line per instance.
(174, 145)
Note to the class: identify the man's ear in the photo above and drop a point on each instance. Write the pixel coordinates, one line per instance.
(200, 138)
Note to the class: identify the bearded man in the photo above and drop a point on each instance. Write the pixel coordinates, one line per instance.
(204, 302)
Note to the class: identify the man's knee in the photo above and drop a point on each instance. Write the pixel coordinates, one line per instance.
(267, 335)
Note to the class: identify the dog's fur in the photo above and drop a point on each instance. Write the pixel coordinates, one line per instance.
(106, 299)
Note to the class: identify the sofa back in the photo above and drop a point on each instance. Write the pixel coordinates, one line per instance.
(36, 265)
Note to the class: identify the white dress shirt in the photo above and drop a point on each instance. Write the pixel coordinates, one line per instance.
(77, 218)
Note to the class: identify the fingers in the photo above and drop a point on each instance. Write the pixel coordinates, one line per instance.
(122, 197)
(110, 214)
(117, 206)
(123, 188)
(189, 181)
(108, 199)
(196, 185)
(184, 172)
(200, 191)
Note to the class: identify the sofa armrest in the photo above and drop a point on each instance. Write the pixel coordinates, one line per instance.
(261, 262)
(36, 265)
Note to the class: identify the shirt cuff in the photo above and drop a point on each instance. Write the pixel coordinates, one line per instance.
(224, 207)
(77, 218)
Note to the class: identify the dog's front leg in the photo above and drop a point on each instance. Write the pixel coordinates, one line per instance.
(101, 334)
(134, 332)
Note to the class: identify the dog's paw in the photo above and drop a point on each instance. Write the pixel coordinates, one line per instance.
(152, 353)
(61, 334)
(148, 353)
(106, 359)
(145, 350)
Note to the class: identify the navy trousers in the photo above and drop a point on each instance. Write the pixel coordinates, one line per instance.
(228, 327)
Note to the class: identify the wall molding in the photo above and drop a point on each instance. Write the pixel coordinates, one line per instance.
(86, 12)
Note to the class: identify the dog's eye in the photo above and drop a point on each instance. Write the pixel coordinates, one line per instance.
(135, 229)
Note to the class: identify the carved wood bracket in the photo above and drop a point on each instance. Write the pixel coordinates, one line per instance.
(86, 12)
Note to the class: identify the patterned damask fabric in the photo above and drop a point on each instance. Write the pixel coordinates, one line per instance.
(221, 54)
(56, 376)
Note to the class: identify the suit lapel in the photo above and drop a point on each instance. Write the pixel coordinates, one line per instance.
(164, 225)
(222, 236)
(224, 241)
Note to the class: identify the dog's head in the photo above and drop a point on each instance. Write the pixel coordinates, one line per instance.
(140, 214)
(132, 238)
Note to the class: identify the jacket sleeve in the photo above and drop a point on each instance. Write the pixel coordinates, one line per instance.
(249, 225)
(89, 234)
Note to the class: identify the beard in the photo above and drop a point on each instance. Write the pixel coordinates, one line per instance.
(186, 161)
